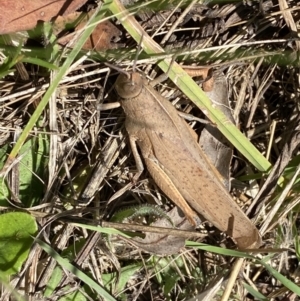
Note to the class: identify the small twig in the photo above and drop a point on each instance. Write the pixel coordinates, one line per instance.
(178, 21)
(278, 203)
(232, 279)
(160, 230)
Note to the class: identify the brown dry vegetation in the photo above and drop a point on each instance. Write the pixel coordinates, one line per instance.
(254, 45)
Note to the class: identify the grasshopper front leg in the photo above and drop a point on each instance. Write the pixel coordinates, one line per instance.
(137, 158)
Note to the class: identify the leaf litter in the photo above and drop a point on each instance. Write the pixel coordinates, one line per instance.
(262, 83)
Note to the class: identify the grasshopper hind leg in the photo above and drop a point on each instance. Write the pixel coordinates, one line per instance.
(166, 185)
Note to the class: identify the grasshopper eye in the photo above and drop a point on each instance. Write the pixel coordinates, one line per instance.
(129, 87)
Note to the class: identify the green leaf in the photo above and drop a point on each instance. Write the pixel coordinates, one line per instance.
(16, 231)
(75, 296)
(33, 161)
(4, 192)
(165, 273)
(32, 168)
(52, 284)
(78, 273)
(125, 274)
(11, 60)
(69, 254)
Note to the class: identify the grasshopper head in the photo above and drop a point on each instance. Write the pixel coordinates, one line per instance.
(129, 86)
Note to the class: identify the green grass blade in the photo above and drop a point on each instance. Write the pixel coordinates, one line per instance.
(255, 293)
(68, 266)
(110, 231)
(39, 62)
(285, 281)
(218, 250)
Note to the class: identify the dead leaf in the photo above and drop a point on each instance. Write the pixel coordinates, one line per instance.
(100, 39)
(162, 244)
(23, 15)
(212, 141)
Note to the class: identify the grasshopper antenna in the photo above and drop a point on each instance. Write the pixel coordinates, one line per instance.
(171, 63)
(118, 69)
(128, 74)
(164, 76)
(137, 53)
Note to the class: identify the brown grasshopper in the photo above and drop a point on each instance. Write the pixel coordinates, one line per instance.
(176, 162)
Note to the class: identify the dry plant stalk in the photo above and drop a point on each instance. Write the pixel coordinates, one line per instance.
(176, 161)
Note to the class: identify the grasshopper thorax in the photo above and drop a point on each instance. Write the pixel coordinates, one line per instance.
(129, 86)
